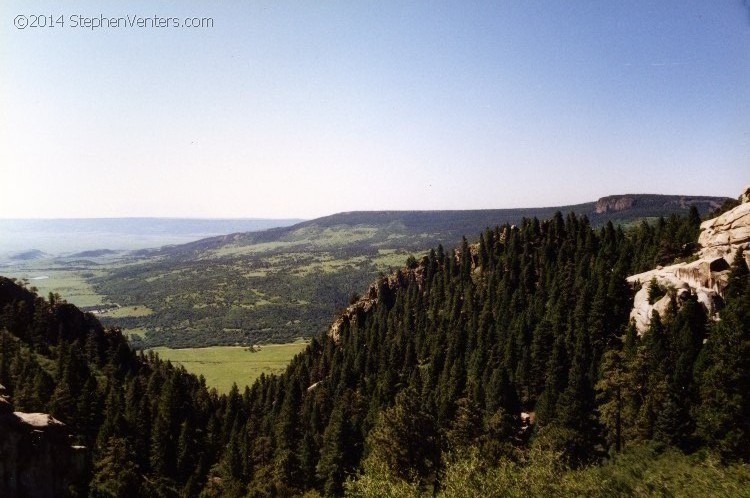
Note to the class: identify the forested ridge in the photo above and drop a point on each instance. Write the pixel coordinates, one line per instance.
(280, 284)
(506, 362)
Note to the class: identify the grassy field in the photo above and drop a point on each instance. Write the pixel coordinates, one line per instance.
(128, 311)
(70, 284)
(134, 332)
(224, 365)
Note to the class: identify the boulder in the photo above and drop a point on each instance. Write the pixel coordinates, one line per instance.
(37, 454)
(38, 420)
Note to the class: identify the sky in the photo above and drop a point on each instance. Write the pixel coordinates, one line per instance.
(302, 109)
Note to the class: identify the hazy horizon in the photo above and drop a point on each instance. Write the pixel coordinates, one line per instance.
(200, 218)
(285, 110)
(308, 218)
(69, 235)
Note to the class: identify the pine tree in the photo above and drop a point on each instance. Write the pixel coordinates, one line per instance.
(115, 473)
(738, 276)
(612, 394)
(466, 426)
(723, 417)
(164, 432)
(286, 459)
(331, 467)
(406, 439)
(89, 410)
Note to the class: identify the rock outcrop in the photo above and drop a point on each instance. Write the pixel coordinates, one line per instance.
(614, 204)
(654, 205)
(37, 454)
(706, 277)
(374, 294)
(394, 281)
(684, 279)
(745, 197)
(721, 236)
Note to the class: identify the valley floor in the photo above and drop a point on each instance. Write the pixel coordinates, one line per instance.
(224, 365)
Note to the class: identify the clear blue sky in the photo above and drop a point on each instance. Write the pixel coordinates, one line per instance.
(300, 109)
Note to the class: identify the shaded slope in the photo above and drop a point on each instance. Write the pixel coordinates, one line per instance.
(128, 419)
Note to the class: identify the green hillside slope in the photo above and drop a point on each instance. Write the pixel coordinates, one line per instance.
(280, 284)
(506, 367)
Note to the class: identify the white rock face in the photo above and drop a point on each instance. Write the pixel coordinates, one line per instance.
(38, 420)
(706, 277)
(722, 236)
(685, 278)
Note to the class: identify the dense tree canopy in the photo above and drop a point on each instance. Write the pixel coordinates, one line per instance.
(453, 355)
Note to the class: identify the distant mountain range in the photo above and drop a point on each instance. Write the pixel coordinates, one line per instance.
(29, 255)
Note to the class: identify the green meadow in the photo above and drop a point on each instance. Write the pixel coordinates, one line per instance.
(72, 285)
(224, 365)
(127, 312)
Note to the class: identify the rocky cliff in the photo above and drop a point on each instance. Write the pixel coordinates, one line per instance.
(706, 276)
(37, 457)
(614, 204)
(721, 236)
(653, 205)
(384, 285)
(394, 281)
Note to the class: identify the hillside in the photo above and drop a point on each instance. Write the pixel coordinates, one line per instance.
(503, 364)
(280, 284)
(29, 255)
(76, 403)
(506, 366)
(412, 229)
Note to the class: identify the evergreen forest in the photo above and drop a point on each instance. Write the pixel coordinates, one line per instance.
(506, 366)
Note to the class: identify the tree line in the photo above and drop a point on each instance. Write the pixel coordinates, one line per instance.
(459, 351)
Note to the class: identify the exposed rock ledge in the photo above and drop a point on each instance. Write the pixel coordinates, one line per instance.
(370, 299)
(614, 204)
(721, 236)
(686, 278)
(37, 457)
(394, 281)
(706, 278)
